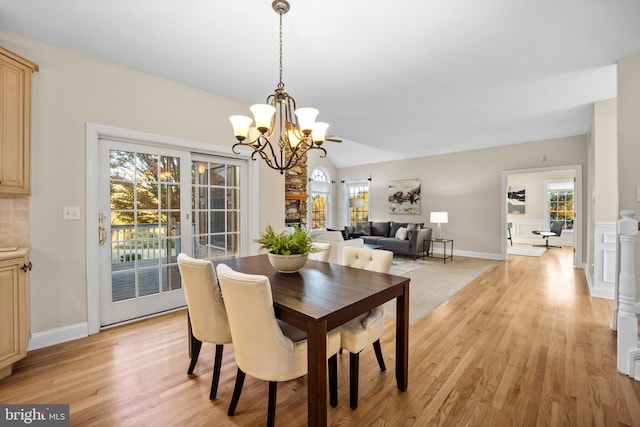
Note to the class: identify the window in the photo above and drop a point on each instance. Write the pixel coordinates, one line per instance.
(358, 199)
(560, 203)
(320, 190)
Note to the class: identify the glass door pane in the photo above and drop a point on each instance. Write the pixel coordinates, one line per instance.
(216, 209)
(145, 219)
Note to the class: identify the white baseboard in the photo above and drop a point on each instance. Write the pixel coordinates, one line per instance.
(58, 335)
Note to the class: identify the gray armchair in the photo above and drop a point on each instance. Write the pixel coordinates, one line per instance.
(418, 239)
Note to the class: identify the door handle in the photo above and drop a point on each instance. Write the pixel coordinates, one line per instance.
(102, 235)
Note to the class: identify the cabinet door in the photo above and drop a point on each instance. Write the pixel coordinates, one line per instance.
(15, 93)
(13, 313)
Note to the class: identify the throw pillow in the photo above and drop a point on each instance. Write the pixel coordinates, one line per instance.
(363, 227)
(401, 233)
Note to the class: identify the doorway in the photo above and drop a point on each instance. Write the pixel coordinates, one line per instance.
(536, 212)
(151, 198)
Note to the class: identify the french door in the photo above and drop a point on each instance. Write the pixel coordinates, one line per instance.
(154, 203)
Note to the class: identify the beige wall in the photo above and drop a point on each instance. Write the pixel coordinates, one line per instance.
(605, 154)
(467, 185)
(70, 90)
(629, 140)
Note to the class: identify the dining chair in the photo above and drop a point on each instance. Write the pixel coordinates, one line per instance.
(324, 253)
(366, 329)
(207, 313)
(265, 347)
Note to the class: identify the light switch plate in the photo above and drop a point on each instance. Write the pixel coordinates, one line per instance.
(71, 213)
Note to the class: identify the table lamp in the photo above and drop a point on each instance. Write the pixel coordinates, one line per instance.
(439, 218)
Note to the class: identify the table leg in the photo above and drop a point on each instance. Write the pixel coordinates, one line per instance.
(402, 339)
(317, 374)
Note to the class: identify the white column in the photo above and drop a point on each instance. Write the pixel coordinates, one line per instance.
(627, 321)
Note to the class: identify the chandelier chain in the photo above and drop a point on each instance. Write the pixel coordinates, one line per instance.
(280, 83)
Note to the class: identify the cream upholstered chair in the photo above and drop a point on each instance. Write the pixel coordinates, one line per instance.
(264, 347)
(323, 255)
(206, 312)
(356, 334)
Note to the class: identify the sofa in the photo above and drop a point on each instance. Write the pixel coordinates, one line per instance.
(337, 242)
(401, 238)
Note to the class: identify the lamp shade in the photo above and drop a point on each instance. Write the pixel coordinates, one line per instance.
(263, 113)
(240, 126)
(356, 202)
(439, 218)
(306, 119)
(319, 131)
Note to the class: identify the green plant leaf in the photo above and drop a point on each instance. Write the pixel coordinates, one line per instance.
(297, 243)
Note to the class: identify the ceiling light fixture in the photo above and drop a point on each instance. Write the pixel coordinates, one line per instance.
(276, 119)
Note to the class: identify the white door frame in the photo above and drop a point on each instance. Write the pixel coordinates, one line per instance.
(96, 131)
(578, 260)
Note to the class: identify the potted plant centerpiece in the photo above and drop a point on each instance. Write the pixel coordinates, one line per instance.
(287, 251)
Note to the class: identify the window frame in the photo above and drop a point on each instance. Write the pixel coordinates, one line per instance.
(559, 186)
(363, 188)
(319, 187)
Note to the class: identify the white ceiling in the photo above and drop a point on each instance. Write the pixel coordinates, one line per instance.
(395, 79)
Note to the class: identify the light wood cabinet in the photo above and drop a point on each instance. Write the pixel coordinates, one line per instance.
(14, 312)
(15, 122)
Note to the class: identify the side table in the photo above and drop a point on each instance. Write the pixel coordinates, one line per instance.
(444, 257)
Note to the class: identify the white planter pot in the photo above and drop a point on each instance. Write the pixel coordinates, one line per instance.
(287, 263)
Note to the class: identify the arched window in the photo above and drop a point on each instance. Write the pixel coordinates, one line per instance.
(320, 192)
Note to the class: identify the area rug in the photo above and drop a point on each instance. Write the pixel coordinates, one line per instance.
(525, 250)
(401, 265)
(434, 282)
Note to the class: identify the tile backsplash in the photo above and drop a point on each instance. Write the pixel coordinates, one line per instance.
(14, 221)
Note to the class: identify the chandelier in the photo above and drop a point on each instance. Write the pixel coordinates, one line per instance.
(296, 135)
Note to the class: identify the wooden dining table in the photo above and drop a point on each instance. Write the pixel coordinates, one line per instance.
(323, 296)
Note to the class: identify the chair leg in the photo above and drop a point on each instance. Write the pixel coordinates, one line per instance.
(333, 380)
(236, 392)
(271, 411)
(217, 364)
(196, 345)
(378, 351)
(354, 367)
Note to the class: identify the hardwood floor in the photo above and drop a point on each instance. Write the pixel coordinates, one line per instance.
(524, 344)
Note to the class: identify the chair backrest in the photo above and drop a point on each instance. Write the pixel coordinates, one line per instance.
(323, 255)
(206, 308)
(260, 348)
(556, 227)
(378, 260)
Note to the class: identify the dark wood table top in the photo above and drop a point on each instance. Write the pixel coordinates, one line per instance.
(323, 291)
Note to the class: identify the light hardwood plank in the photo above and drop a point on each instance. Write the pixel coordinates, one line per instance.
(524, 344)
